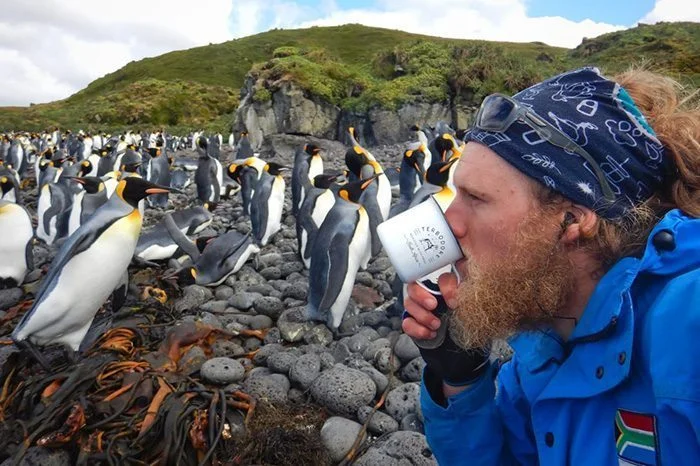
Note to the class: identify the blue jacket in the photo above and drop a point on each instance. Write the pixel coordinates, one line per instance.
(625, 388)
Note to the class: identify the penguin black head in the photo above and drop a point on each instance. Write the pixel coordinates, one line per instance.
(133, 189)
(439, 172)
(311, 149)
(203, 241)
(443, 144)
(85, 167)
(354, 159)
(187, 276)
(5, 184)
(202, 143)
(352, 191)
(275, 169)
(234, 171)
(415, 128)
(91, 184)
(324, 181)
(461, 134)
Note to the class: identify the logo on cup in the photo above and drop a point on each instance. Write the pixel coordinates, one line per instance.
(426, 244)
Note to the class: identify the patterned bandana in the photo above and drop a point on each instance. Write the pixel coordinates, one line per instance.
(600, 116)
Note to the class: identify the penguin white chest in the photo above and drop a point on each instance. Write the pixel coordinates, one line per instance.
(65, 314)
(275, 204)
(384, 195)
(17, 225)
(324, 203)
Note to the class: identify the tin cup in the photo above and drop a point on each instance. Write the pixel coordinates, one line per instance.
(419, 241)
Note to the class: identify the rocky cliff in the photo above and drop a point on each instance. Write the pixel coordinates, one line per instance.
(291, 110)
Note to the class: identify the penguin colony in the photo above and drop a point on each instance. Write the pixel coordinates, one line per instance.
(93, 190)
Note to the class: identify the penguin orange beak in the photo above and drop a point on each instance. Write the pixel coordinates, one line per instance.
(368, 182)
(158, 190)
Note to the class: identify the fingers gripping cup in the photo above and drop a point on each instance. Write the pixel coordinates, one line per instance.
(419, 241)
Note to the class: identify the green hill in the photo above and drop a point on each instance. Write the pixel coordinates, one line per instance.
(352, 66)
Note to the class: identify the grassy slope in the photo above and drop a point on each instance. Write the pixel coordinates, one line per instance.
(353, 66)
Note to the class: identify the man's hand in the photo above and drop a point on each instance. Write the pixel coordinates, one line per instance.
(455, 366)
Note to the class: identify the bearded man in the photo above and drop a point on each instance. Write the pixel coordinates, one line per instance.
(577, 211)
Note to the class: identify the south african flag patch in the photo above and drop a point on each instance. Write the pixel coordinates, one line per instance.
(635, 435)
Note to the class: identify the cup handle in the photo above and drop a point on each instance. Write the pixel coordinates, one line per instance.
(442, 312)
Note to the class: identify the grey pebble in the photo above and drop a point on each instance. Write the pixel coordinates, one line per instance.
(343, 390)
(192, 360)
(193, 296)
(223, 292)
(293, 325)
(41, 456)
(222, 371)
(265, 352)
(305, 369)
(327, 361)
(271, 273)
(296, 290)
(386, 361)
(227, 348)
(273, 336)
(380, 423)
(413, 371)
(412, 422)
(402, 400)
(287, 268)
(320, 335)
(251, 344)
(399, 448)
(273, 387)
(269, 306)
(243, 300)
(214, 306)
(281, 362)
(338, 435)
(9, 297)
(371, 351)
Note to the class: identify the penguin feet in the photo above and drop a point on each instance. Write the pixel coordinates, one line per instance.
(33, 351)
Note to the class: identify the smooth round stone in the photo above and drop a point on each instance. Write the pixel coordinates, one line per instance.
(412, 423)
(270, 259)
(338, 435)
(358, 343)
(264, 289)
(280, 285)
(265, 352)
(400, 447)
(287, 268)
(293, 325)
(260, 322)
(251, 344)
(380, 423)
(269, 306)
(386, 361)
(243, 300)
(273, 335)
(371, 351)
(227, 348)
(320, 335)
(271, 273)
(210, 319)
(413, 371)
(281, 362)
(217, 306)
(402, 401)
(305, 369)
(380, 264)
(223, 292)
(222, 371)
(296, 290)
(369, 332)
(343, 390)
(9, 298)
(327, 361)
(192, 297)
(272, 387)
(364, 278)
(374, 318)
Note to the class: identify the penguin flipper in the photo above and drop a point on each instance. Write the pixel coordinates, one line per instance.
(338, 255)
(180, 239)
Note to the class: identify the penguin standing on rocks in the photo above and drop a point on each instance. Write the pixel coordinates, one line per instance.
(267, 203)
(342, 246)
(247, 177)
(158, 172)
(207, 177)
(53, 211)
(99, 251)
(410, 178)
(318, 201)
(87, 201)
(16, 246)
(307, 164)
(220, 258)
(243, 148)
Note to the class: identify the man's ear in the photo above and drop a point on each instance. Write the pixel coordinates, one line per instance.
(578, 223)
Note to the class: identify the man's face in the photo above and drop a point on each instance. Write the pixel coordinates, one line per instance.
(515, 273)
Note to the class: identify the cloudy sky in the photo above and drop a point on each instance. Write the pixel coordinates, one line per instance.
(50, 49)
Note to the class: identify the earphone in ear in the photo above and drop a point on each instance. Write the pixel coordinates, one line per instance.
(569, 218)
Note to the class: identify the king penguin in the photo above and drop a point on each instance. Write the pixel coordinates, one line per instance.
(158, 172)
(318, 201)
(157, 244)
(100, 250)
(342, 246)
(16, 245)
(221, 257)
(243, 148)
(267, 203)
(307, 164)
(87, 201)
(207, 176)
(247, 177)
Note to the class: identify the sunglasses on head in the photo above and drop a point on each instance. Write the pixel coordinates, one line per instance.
(498, 112)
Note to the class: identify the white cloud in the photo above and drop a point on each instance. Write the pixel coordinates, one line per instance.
(673, 10)
(50, 49)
